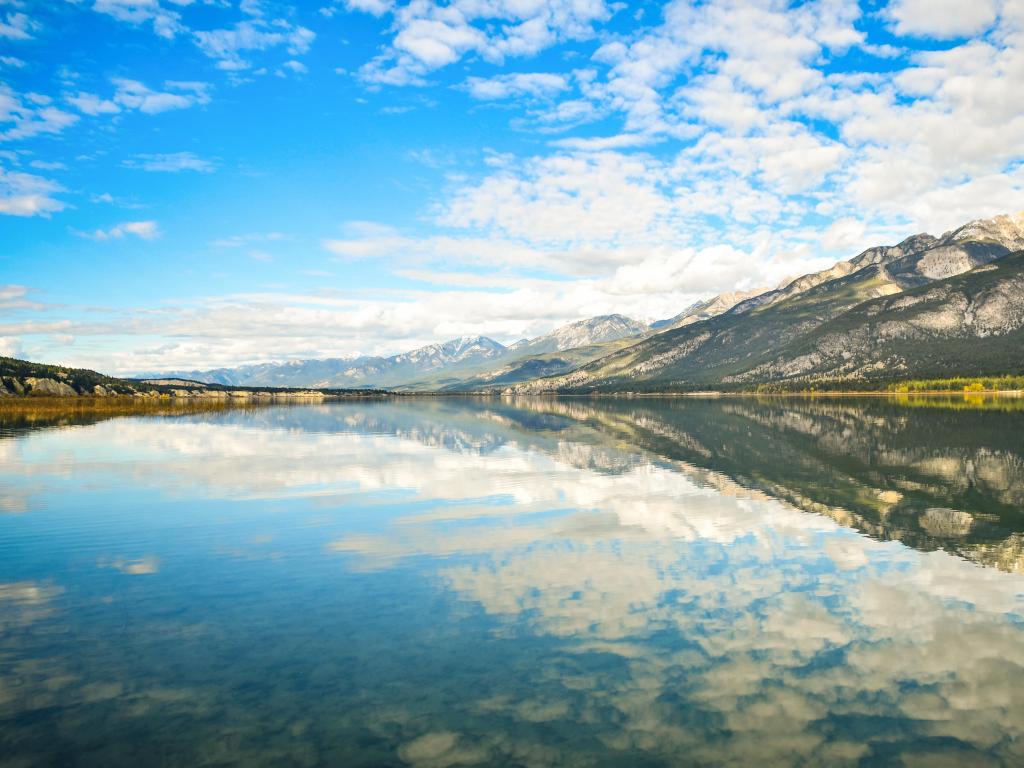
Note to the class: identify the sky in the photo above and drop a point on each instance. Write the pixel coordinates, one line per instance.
(189, 184)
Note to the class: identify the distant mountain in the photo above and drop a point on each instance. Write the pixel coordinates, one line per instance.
(583, 333)
(449, 365)
(364, 371)
(749, 344)
(704, 310)
(781, 337)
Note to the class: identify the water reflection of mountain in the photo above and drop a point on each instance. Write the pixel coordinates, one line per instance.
(935, 477)
(942, 476)
(932, 478)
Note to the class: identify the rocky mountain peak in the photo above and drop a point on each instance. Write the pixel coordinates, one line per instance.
(1005, 229)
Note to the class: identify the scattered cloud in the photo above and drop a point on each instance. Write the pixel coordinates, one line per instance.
(166, 23)
(16, 297)
(146, 230)
(696, 148)
(30, 114)
(48, 165)
(172, 162)
(17, 26)
(24, 194)
(518, 85)
(430, 35)
(229, 46)
(133, 95)
(239, 241)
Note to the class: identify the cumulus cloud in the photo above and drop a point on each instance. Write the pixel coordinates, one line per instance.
(941, 18)
(374, 7)
(429, 35)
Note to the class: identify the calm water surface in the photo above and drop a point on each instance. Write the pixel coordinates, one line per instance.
(555, 582)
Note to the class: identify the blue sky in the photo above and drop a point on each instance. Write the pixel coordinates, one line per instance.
(195, 184)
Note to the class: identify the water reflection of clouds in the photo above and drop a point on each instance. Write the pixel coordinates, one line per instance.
(25, 602)
(744, 631)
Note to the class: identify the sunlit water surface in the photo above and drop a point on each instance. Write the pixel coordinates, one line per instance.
(462, 582)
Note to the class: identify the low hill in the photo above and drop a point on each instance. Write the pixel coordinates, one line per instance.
(23, 378)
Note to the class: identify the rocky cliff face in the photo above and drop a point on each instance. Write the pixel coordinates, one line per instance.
(973, 320)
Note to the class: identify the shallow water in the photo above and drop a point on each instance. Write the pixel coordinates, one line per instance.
(552, 582)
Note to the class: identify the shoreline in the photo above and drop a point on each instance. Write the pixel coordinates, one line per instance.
(249, 397)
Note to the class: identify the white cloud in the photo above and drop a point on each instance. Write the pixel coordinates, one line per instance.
(941, 18)
(843, 234)
(16, 297)
(430, 35)
(90, 104)
(295, 66)
(48, 165)
(165, 23)
(374, 7)
(593, 198)
(133, 95)
(173, 162)
(229, 45)
(29, 116)
(604, 143)
(17, 26)
(517, 85)
(10, 346)
(23, 194)
(146, 230)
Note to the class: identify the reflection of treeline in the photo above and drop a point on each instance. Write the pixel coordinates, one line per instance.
(962, 383)
(970, 400)
(17, 412)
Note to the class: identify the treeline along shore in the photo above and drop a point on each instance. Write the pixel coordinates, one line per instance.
(22, 378)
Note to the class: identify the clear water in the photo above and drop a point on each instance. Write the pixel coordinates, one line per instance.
(553, 582)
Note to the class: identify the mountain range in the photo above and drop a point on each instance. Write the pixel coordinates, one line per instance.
(436, 365)
(927, 308)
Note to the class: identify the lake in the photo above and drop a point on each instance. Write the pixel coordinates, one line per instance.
(572, 582)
